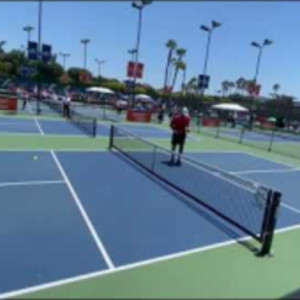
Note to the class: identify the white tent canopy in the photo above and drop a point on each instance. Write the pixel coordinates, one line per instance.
(230, 107)
(100, 90)
(144, 98)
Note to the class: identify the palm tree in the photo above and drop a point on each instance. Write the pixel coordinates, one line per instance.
(241, 84)
(183, 68)
(192, 85)
(180, 54)
(171, 68)
(2, 43)
(231, 85)
(225, 87)
(276, 88)
(171, 45)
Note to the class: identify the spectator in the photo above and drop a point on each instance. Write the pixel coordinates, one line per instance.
(66, 105)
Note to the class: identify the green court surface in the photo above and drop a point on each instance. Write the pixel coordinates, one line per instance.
(225, 270)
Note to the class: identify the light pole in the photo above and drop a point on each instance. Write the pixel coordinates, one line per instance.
(28, 29)
(99, 62)
(64, 56)
(209, 30)
(132, 52)
(260, 47)
(40, 15)
(139, 5)
(85, 42)
(23, 48)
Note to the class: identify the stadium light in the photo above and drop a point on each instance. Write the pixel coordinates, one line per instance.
(209, 30)
(28, 29)
(99, 62)
(65, 56)
(85, 42)
(138, 5)
(266, 42)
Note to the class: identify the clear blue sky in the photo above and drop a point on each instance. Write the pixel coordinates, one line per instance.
(111, 26)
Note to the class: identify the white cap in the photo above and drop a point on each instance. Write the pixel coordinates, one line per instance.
(185, 111)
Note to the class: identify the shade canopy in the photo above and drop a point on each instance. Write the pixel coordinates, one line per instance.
(144, 98)
(101, 90)
(230, 107)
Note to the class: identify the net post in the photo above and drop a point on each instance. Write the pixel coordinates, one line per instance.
(153, 158)
(111, 137)
(94, 127)
(218, 131)
(270, 218)
(271, 139)
(198, 122)
(242, 135)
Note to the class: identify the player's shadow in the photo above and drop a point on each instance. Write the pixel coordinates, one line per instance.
(225, 227)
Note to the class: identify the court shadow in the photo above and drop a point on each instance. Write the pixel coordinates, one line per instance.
(209, 216)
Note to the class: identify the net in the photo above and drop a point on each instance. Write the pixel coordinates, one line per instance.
(279, 134)
(101, 112)
(84, 122)
(56, 106)
(250, 208)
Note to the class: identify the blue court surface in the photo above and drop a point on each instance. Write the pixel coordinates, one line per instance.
(61, 216)
(62, 127)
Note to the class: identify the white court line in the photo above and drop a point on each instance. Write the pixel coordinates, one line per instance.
(39, 126)
(116, 270)
(265, 171)
(56, 150)
(87, 220)
(133, 265)
(205, 151)
(35, 120)
(49, 135)
(129, 266)
(272, 159)
(290, 207)
(38, 182)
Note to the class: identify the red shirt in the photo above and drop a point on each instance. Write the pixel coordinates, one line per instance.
(180, 123)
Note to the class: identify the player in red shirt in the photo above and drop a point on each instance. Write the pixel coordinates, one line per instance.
(180, 125)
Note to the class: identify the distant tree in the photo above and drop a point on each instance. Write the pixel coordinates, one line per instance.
(241, 84)
(183, 68)
(48, 72)
(191, 86)
(231, 86)
(275, 89)
(114, 85)
(171, 45)
(2, 43)
(225, 87)
(76, 75)
(178, 64)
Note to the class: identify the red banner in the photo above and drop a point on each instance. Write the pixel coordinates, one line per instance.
(9, 103)
(168, 89)
(138, 116)
(212, 122)
(84, 77)
(136, 69)
(254, 89)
